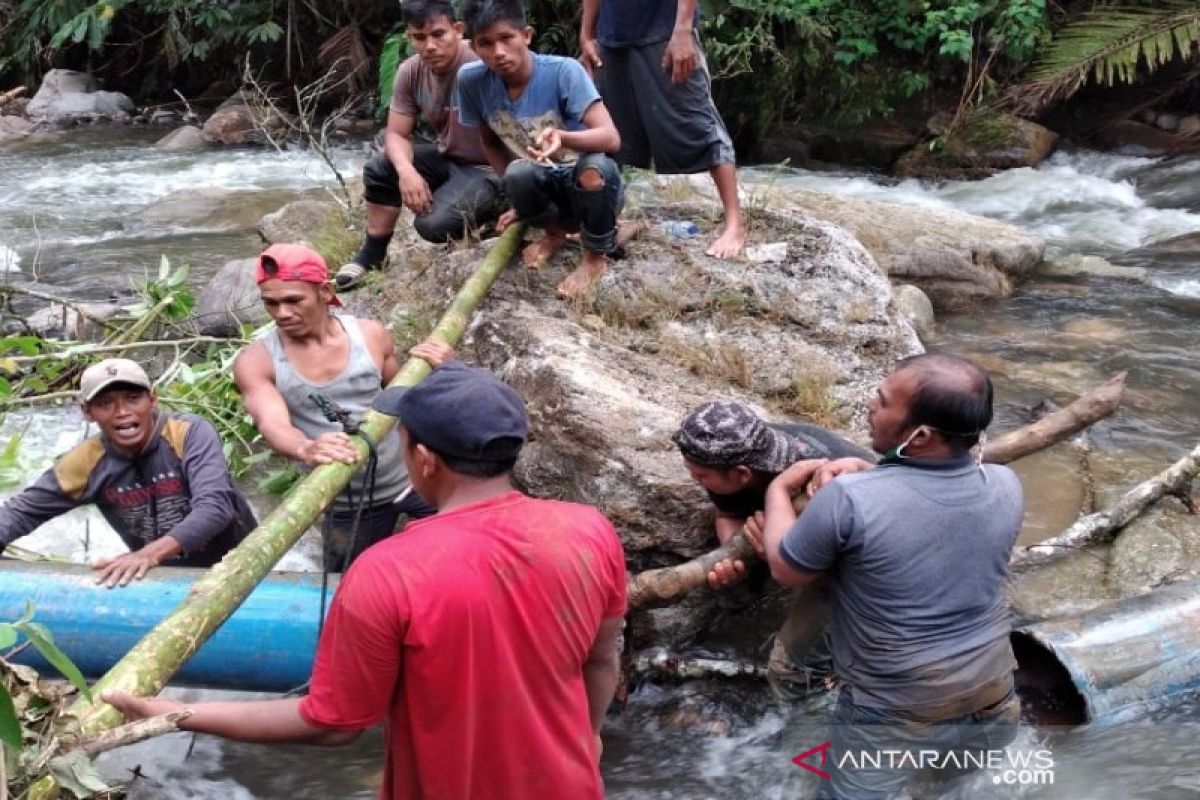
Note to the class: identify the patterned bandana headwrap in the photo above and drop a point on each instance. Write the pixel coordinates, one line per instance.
(725, 433)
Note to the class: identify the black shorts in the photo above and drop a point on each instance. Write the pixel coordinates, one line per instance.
(676, 128)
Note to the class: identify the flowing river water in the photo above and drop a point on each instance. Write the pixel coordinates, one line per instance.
(69, 217)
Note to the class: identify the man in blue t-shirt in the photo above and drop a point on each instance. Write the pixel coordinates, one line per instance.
(545, 130)
(645, 56)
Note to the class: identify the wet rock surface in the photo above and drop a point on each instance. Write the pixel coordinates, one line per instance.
(241, 120)
(229, 300)
(66, 96)
(189, 137)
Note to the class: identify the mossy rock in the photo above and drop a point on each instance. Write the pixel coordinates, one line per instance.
(977, 146)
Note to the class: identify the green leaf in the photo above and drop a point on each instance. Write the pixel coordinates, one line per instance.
(164, 268)
(179, 276)
(40, 638)
(10, 726)
(8, 635)
(76, 773)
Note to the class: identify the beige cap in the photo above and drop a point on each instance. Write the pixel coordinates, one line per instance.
(97, 377)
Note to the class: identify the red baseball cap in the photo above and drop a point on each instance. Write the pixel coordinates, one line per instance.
(293, 262)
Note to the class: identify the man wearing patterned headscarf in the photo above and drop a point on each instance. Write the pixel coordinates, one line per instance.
(734, 454)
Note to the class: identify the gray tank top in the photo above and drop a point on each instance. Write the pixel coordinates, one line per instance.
(353, 390)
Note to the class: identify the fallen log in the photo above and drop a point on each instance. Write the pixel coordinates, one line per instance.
(1095, 528)
(1090, 408)
(658, 586)
(11, 94)
(654, 586)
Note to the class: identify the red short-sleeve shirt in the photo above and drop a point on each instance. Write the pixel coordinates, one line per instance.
(468, 633)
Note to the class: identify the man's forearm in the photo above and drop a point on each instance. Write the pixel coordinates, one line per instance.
(285, 439)
(601, 676)
(587, 25)
(261, 721)
(495, 152)
(780, 517)
(685, 15)
(604, 139)
(399, 150)
(727, 526)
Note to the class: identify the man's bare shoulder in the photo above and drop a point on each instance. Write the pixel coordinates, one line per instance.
(253, 364)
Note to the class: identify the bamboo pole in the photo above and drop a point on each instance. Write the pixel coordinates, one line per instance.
(151, 663)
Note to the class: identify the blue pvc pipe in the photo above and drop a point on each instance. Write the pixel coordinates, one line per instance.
(267, 645)
(1119, 660)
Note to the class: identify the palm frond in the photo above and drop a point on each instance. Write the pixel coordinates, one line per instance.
(1111, 45)
(345, 55)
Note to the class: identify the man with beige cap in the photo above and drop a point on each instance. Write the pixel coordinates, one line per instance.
(158, 477)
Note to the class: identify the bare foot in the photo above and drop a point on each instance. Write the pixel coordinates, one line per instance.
(538, 254)
(731, 241)
(590, 268)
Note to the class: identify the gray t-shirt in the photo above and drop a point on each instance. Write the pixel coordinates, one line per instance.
(918, 557)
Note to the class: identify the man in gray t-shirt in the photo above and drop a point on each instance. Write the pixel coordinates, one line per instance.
(917, 550)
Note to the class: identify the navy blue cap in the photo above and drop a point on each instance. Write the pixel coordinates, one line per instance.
(461, 412)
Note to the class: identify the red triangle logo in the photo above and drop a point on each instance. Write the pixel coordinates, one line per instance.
(800, 761)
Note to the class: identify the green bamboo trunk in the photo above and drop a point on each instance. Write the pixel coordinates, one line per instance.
(152, 662)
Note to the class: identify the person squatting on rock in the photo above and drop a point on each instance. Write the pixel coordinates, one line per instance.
(546, 131)
(916, 549)
(485, 636)
(158, 477)
(314, 360)
(646, 59)
(447, 185)
(733, 454)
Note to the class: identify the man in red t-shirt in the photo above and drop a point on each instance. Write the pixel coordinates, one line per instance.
(485, 636)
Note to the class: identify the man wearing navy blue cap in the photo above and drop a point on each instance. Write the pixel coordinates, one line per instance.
(485, 636)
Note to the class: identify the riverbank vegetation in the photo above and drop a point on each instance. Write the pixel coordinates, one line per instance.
(839, 61)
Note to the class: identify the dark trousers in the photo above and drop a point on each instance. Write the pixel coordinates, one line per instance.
(861, 729)
(541, 194)
(343, 542)
(462, 194)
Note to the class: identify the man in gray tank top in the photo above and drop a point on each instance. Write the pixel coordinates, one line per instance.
(313, 360)
(916, 548)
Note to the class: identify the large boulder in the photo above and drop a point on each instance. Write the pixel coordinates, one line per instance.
(203, 208)
(301, 220)
(58, 321)
(977, 147)
(230, 300)
(243, 120)
(1133, 138)
(608, 380)
(66, 96)
(959, 260)
(183, 139)
(15, 128)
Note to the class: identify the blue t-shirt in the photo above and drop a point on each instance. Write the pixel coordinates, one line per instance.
(633, 23)
(918, 557)
(558, 94)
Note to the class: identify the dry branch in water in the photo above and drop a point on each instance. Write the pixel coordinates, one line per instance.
(1176, 480)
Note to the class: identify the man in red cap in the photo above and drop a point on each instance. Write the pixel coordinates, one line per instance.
(315, 361)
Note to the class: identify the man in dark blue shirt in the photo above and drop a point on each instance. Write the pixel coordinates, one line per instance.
(645, 57)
